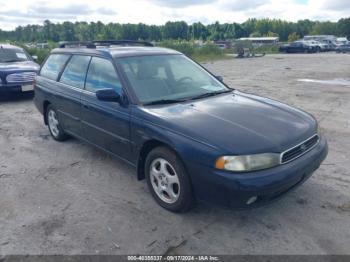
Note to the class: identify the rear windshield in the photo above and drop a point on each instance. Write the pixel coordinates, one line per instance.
(54, 65)
(8, 55)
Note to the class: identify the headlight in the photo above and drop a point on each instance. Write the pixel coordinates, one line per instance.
(318, 130)
(248, 162)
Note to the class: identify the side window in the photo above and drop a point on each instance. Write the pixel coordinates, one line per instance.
(75, 71)
(53, 66)
(102, 75)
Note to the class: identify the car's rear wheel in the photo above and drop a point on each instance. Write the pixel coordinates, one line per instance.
(168, 181)
(54, 125)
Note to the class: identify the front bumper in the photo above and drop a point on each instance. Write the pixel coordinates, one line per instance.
(235, 189)
(14, 88)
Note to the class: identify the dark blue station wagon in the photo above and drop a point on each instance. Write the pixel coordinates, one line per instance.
(185, 131)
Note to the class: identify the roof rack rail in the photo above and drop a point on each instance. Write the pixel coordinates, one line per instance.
(76, 44)
(94, 44)
(123, 43)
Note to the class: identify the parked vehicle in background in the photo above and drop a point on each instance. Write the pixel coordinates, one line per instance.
(297, 47)
(340, 44)
(316, 45)
(320, 38)
(342, 41)
(343, 48)
(329, 45)
(328, 42)
(152, 107)
(17, 69)
(325, 45)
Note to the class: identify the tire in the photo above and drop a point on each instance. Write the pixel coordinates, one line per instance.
(54, 125)
(173, 180)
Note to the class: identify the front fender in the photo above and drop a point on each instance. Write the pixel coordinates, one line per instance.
(187, 148)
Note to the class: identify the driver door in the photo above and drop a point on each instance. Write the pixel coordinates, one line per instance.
(105, 124)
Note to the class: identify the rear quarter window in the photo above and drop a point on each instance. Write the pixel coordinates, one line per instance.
(53, 66)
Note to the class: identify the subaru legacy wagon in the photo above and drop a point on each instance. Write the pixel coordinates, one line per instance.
(186, 132)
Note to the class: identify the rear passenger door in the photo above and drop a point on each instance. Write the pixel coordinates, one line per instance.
(46, 83)
(105, 124)
(71, 83)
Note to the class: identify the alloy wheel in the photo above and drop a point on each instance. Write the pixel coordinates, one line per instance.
(164, 180)
(53, 123)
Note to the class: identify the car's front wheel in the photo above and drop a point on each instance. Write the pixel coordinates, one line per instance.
(168, 181)
(54, 125)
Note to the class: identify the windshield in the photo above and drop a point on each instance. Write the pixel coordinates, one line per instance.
(167, 78)
(12, 55)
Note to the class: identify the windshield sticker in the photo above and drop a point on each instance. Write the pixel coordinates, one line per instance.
(21, 55)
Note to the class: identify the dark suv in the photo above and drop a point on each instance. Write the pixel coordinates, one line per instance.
(299, 47)
(182, 128)
(17, 69)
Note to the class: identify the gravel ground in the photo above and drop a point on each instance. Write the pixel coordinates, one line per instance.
(70, 198)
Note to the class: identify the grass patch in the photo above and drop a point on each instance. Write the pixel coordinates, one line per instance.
(207, 52)
(267, 49)
(41, 53)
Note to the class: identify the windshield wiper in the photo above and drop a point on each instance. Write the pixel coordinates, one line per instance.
(163, 102)
(13, 60)
(170, 101)
(210, 94)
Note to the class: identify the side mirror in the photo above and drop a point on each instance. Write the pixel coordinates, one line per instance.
(108, 95)
(35, 57)
(220, 78)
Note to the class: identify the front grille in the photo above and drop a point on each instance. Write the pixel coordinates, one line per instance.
(299, 150)
(23, 77)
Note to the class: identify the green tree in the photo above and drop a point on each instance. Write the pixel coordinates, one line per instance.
(324, 28)
(68, 32)
(271, 34)
(180, 30)
(293, 37)
(255, 34)
(343, 27)
(175, 30)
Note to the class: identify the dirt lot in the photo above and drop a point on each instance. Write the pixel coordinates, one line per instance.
(70, 198)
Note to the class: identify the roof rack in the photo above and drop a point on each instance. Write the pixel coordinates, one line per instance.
(94, 44)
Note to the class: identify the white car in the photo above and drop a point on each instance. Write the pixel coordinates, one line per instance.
(341, 41)
(319, 47)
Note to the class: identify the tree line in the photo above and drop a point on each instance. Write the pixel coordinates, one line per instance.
(82, 31)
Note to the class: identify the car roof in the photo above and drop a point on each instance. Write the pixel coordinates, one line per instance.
(117, 51)
(9, 46)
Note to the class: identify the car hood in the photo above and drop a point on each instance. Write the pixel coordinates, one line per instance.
(19, 66)
(236, 123)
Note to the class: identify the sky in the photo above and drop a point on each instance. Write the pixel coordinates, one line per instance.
(18, 12)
